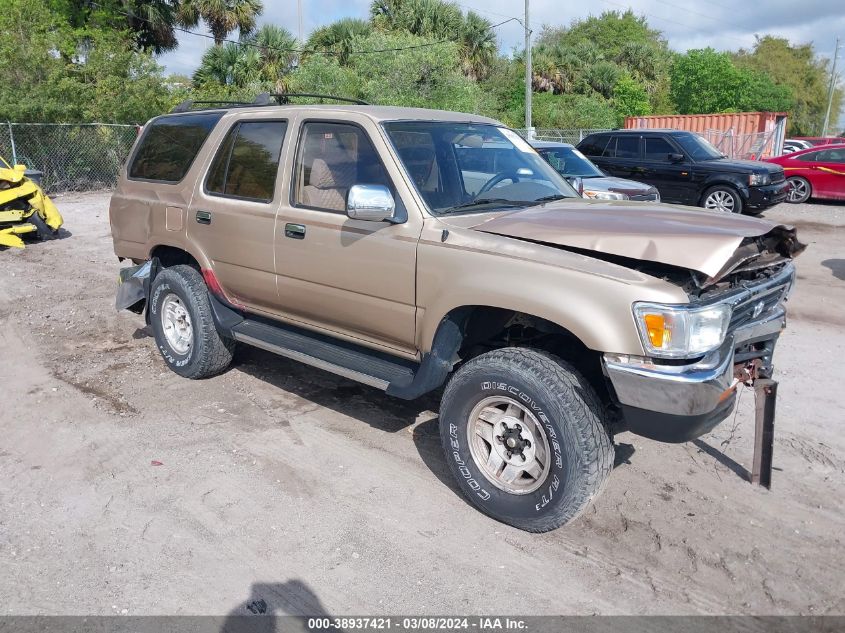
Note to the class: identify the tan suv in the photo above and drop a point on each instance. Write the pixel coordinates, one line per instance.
(409, 248)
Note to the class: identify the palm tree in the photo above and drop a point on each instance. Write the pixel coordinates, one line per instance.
(261, 61)
(221, 16)
(152, 23)
(441, 20)
(218, 65)
(277, 48)
(339, 37)
(477, 46)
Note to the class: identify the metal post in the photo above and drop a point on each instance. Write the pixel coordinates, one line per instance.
(12, 141)
(299, 12)
(528, 74)
(765, 394)
(830, 88)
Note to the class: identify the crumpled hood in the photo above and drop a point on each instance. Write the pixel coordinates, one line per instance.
(679, 236)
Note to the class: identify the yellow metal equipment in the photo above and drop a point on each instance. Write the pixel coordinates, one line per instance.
(24, 208)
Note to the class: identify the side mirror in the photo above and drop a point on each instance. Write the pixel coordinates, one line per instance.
(676, 158)
(370, 202)
(20, 168)
(577, 183)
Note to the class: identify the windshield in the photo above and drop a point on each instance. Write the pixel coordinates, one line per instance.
(697, 147)
(569, 162)
(466, 167)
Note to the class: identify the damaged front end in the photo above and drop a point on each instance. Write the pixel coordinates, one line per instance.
(678, 399)
(24, 208)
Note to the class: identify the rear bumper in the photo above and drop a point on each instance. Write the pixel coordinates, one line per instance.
(767, 195)
(677, 403)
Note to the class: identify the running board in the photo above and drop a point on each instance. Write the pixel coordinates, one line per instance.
(339, 357)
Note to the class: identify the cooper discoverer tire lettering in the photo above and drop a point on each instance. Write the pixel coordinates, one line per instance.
(184, 330)
(523, 435)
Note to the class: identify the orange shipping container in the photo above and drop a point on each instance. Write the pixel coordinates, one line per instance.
(739, 134)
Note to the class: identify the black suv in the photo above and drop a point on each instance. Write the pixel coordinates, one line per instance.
(686, 169)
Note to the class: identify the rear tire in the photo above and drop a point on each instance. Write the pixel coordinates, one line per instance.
(801, 190)
(184, 330)
(722, 198)
(524, 411)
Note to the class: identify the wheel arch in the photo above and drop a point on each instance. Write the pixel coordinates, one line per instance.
(469, 330)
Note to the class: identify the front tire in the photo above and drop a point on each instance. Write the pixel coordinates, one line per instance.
(524, 437)
(722, 198)
(801, 190)
(184, 330)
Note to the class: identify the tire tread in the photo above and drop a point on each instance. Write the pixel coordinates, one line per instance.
(585, 415)
(214, 351)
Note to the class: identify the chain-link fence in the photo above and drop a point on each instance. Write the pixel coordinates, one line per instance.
(752, 146)
(573, 136)
(72, 157)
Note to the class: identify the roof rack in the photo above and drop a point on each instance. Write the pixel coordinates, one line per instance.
(188, 105)
(264, 99)
(283, 98)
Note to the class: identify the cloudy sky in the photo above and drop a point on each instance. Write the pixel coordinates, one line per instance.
(722, 24)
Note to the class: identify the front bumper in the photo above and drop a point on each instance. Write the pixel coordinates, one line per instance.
(677, 403)
(767, 195)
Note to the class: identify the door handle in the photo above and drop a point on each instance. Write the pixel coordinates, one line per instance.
(203, 217)
(295, 231)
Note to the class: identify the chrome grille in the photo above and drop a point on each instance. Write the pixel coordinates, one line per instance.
(645, 197)
(757, 307)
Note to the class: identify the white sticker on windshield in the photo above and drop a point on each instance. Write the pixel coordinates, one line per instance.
(579, 154)
(517, 140)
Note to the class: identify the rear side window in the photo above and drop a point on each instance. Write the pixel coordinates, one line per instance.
(247, 162)
(658, 149)
(627, 146)
(170, 145)
(593, 145)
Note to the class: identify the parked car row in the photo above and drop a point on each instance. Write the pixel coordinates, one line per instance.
(681, 167)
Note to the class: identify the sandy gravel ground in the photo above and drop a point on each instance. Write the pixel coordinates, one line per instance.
(318, 495)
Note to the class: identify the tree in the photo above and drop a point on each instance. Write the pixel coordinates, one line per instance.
(797, 68)
(572, 111)
(152, 22)
(339, 37)
(590, 55)
(441, 20)
(261, 62)
(629, 98)
(704, 81)
(221, 16)
(427, 75)
(478, 46)
(52, 72)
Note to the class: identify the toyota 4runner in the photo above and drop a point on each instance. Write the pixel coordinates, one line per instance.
(409, 248)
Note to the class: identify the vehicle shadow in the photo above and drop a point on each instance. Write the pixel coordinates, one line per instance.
(837, 267)
(366, 404)
(347, 397)
(273, 607)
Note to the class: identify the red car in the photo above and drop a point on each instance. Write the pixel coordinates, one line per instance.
(818, 172)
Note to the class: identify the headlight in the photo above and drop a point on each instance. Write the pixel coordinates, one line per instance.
(604, 195)
(755, 180)
(681, 331)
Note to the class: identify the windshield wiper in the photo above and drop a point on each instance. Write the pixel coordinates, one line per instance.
(502, 202)
(551, 198)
